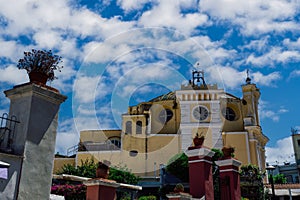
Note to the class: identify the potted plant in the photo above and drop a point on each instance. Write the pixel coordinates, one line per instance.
(40, 65)
(102, 170)
(198, 140)
(179, 188)
(228, 151)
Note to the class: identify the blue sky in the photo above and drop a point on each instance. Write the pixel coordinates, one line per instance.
(119, 53)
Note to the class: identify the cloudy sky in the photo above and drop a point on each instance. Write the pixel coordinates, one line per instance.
(119, 53)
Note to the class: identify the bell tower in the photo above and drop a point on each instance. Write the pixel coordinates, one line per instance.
(251, 95)
(257, 140)
(200, 111)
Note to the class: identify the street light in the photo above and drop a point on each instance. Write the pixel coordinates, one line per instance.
(270, 169)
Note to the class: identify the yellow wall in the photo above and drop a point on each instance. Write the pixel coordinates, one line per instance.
(239, 141)
(60, 162)
(141, 164)
(98, 135)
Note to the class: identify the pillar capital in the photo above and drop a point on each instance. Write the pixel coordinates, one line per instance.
(228, 164)
(32, 89)
(199, 153)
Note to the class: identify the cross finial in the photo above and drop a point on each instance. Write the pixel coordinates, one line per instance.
(248, 79)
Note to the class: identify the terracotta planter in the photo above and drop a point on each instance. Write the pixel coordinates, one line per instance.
(38, 77)
(102, 173)
(103, 170)
(198, 141)
(228, 151)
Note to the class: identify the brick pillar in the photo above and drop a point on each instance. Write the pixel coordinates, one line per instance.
(230, 179)
(101, 189)
(200, 172)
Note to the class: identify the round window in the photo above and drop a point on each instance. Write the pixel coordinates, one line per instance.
(229, 114)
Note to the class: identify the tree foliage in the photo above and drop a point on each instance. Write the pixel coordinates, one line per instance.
(88, 169)
(123, 175)
(279, 179)
(251, 173)
(178, 166)
(251, 182)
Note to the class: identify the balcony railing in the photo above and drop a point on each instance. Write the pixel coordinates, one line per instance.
(7, 132)
(99, 146)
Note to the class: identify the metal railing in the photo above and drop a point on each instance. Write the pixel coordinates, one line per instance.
(7, 132)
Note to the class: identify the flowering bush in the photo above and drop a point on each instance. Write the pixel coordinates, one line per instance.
(40, 61)
(74, 192)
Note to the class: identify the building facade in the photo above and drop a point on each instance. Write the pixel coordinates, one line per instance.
(154, 131)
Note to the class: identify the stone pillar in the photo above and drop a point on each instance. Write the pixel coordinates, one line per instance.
(101, 189)
(36, 107)
(200, 172)
(229, 179)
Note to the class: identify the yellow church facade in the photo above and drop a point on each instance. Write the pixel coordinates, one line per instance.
(154, 131)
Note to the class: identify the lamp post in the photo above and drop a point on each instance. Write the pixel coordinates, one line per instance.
(270, 169)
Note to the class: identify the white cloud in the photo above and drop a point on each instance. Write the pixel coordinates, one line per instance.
(266, 80)
(292, 44)
(228, 77)
(8, 49)
(159, 73)
(129, 5)
(49, 25)
(283, 110)
(294, 74)
(47, 39)
(282, 152)
(87, 89)
(13, 75)
(65, 140)
(256, 16)
(231, 78)
(266, 113)
(275, 55)
(260, 45)
(210, 52)
(168, 14)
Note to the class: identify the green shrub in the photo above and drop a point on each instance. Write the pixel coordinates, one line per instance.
(147, 197)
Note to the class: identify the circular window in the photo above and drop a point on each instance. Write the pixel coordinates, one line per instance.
(165, 115)
(133, 153)
(229, 114)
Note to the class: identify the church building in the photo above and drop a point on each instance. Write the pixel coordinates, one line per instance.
(154, 131)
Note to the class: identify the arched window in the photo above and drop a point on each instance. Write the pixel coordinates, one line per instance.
(139, 127)
(116, 141)
(128, 128)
